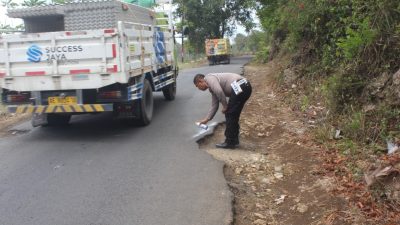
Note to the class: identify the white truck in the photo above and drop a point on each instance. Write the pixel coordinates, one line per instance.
(87, 57)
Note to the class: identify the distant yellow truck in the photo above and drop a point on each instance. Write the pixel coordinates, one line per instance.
(218, 51)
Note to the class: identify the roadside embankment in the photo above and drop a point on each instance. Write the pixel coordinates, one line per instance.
(276, 175)
(7, 120)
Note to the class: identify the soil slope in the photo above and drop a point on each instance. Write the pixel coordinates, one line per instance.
(275, 175)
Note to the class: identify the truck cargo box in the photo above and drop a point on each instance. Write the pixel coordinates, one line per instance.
(73, 16)
(87, 57)
(218, 50)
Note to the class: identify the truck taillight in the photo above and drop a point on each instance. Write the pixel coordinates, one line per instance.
(70, 33)
(109, 31)
(113, 69)
(18, 98)
(110, 94)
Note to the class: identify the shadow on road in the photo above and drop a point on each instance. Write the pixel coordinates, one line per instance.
(97, 127)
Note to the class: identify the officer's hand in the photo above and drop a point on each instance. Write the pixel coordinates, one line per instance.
(203, 121)
(224, 110)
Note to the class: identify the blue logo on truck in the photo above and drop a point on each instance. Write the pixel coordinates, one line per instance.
(34, 53)
(159, 45)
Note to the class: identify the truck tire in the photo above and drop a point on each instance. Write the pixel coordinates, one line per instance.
(169, 92)
(212, 60)
(145, 104)
(55, 119)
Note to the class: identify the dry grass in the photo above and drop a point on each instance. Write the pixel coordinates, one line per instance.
(193, 64)
(3, 109)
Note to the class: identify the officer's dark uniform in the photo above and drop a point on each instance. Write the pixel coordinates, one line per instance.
(222, 85)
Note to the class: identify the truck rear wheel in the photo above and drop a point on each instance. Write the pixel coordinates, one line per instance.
(211, 60)
(55, 119)
(146, 104)
(169, 91)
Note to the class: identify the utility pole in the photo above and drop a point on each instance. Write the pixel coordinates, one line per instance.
(182, 37)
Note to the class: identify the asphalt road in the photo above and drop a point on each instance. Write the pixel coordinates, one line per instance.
(98, 171)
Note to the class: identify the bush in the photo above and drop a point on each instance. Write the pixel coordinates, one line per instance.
(340, 92)
(356, 38)
(262, 55)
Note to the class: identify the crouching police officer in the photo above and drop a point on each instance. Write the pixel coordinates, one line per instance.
(222, 85)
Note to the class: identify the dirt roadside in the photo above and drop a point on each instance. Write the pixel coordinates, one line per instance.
(7, 120)
(275, 175)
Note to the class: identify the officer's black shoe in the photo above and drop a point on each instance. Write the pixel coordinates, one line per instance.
(226, 145)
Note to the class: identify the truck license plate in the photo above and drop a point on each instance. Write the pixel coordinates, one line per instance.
(69, 100)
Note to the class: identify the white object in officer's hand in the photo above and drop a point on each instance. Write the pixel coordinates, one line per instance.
(203, 126)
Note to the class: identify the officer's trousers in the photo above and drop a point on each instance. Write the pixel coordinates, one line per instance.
(232, 115)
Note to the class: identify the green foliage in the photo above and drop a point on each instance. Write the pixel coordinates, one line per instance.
(256, 40)
(347, 147)
(9, 3)
(337, 31)
(240, 44)
(7, 29)
(347, 46)
(356, 122)
(377, 149)
(253, 42)
(348, 41)
(383, 123)
(213, 18)
(341, 91)
(356, 39)
(305, 103)
(58, 2)
(31, 3)
(262, 55)
(354, 126)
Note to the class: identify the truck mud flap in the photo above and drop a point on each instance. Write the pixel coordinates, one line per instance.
(85, 108)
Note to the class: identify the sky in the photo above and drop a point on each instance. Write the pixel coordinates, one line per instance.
(5, 20)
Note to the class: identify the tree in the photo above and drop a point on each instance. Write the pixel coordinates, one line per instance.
(213, 18)
(5, 28)
(256, 40)
(240, 43)
(61, 2)
(30, 3)
(9, 3)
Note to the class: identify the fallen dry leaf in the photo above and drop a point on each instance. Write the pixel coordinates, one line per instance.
(372, 176)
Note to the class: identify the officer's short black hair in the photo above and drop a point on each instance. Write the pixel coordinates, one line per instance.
(198, 77)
